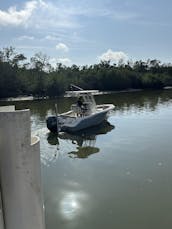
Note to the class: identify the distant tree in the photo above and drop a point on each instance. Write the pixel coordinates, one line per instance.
(40, 62)
(39, 78)
(10, 56)
(152, 81)
(140, 66)
(17, 59)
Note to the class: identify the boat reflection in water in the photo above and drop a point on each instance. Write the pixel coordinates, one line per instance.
(83, 142)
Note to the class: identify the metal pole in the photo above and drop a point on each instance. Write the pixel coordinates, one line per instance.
(56, 110)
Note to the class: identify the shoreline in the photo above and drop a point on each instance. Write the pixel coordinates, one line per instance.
(31, 98)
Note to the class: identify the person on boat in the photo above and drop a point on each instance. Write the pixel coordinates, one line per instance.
(80, 104)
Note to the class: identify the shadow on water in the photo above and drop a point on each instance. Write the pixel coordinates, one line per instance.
(84, 141)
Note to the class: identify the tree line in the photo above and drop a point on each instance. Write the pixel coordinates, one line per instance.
(39, 78)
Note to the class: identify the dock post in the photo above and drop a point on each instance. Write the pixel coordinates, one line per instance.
(20, 171)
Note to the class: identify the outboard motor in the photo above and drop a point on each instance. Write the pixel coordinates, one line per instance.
(52, 124)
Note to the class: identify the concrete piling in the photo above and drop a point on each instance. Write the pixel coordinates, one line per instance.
(20, 172)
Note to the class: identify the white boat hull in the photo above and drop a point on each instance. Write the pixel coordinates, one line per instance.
(85, 122)
(74, 124)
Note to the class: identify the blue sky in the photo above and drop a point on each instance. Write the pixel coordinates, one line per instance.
(87, 31)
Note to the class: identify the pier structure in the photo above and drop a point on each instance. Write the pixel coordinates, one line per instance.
(21, 196)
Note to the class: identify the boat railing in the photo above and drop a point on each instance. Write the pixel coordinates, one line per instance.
(84, 110)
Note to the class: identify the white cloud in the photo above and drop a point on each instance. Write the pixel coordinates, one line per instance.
(62, 47)
(39, 14)
(65, 61)
(113, 56)
(53, 15)
(53, 62)
(58, 14)
(20, 17)
(51, 38)
(25, 37)
(30, 47)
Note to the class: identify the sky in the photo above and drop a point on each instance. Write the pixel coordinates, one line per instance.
(83, 32)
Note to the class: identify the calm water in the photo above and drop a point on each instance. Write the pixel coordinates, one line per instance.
(115, 176)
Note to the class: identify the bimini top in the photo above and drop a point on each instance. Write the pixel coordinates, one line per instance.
(80, 93)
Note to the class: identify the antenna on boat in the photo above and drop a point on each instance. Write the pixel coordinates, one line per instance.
(76, 87)
(56, 110)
